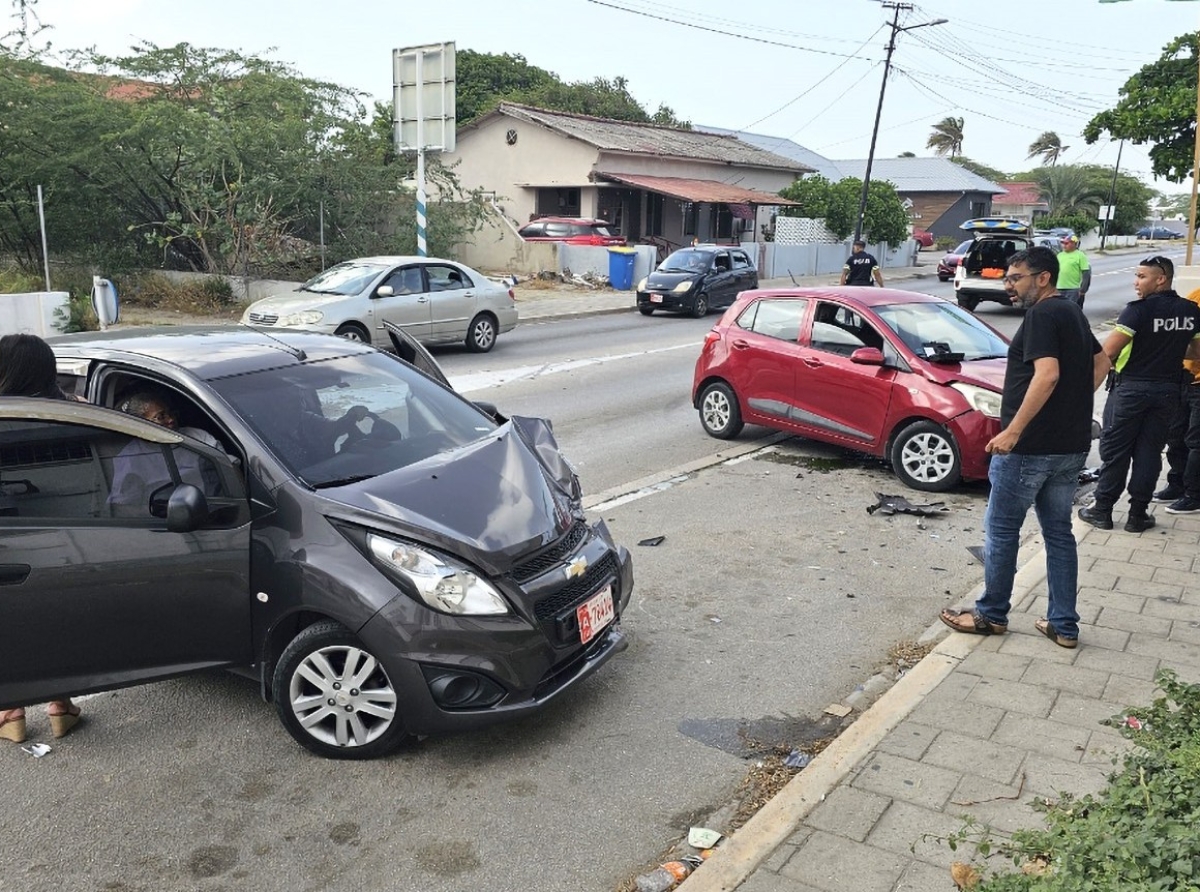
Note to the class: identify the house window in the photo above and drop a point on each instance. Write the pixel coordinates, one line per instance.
(558, 203)
(724, 221)
(691, 217)
(654, 214)
(978, 209)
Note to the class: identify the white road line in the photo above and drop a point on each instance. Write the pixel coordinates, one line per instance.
(483, 380)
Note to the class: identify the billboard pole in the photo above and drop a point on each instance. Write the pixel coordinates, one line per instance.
(415, 98)
(422, 247)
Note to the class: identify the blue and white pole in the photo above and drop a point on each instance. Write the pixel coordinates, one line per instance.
(422, 248)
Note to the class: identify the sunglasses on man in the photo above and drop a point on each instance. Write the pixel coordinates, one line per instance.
(1162, 263)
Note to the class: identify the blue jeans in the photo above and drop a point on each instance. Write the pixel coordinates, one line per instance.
(1048, 483)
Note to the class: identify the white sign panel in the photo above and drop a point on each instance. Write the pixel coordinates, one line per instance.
(1107, 211)
(423, 94)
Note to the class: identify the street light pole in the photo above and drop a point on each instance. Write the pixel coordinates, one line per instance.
(894, 24)
(1112, 190)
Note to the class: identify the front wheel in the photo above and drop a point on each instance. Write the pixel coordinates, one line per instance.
(481, 336)
(646, 311)
(334, 696)
(925, 457)
(700, 306)
(353, 331)
(720, 415)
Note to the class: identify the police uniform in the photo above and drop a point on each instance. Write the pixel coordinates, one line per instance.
(1140, 407)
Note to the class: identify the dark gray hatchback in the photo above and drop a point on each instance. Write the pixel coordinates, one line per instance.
(383, 556)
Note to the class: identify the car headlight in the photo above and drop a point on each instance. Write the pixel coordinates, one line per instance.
(304, 317)
(980, 399)
(683, 286)
(642, 284)
(443, 584)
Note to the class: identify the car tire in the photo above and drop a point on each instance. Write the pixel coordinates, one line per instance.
(481, 335)
(646, 311)
(968, 303)
(353, 331)
(944, 278)
(925, 457)
(363, 720)
(720, 414)
(700, 306)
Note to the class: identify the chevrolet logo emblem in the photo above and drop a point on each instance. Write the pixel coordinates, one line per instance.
(577, 567)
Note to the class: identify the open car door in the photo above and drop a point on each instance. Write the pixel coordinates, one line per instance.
(412, 352)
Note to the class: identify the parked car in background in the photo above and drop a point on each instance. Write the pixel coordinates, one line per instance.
(572, 230)
(434, 301)
(949, 263)
(696, 279)
(382, 556)
(923, 238)
(1052, 242)
(907, 377)
(979, 276)
(1158, 232)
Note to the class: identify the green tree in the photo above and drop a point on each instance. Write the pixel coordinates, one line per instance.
(1048, 147)
(837, 204)
(1158, 106)
(1069, 190)
(947, 137)
(980, 169)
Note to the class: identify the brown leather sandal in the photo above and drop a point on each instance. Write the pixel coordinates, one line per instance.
(1043, 626)
(972, 622)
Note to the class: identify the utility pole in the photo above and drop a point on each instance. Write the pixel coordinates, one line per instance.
(894, 24)
(1112, 190)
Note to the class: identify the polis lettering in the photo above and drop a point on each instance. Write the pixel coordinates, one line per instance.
(1174, 324)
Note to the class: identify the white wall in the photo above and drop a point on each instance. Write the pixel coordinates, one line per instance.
(816, 259)
(42, 313)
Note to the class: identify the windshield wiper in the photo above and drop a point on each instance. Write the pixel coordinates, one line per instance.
(990, 356)
(342, 481)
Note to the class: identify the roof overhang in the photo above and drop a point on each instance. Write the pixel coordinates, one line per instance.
(699, 191)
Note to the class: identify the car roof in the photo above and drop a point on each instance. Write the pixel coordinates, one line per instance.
(586, 221)
(395, 259)
(866, 297)
(206, 352)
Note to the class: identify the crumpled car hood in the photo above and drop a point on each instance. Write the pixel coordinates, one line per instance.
(498, 498)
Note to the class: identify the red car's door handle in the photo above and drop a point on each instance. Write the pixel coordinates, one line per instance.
(812, 362)
(739, 344)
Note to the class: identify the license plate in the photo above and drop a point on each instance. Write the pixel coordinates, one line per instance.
(655, 298)
(594, 614)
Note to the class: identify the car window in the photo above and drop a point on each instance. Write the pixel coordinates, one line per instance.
(345, 278)
(406, 281)
(838, 329)
(447, 278)
(921, 326)
(740, 260)
(558, 230)
(74, 472)
(964, 247)
(687, 260)
(774, 318)
(353, 417)
(722, 263)
(600, 229)
(533, 230)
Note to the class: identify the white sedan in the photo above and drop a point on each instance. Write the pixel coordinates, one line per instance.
(434, 301)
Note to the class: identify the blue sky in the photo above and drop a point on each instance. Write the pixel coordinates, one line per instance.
(806, 69)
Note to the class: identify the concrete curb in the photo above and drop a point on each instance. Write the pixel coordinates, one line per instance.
(746, 849)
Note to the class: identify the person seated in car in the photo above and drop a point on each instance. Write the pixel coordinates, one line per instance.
(141, 468)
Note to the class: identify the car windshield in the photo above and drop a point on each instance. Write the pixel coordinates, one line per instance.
(930, 329)
(345, 278)
(964, 247)
(687, 260)
(342, 420)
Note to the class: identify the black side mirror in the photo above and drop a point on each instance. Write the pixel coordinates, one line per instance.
(184, 506)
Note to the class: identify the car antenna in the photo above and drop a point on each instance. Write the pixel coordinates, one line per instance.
(300, 355)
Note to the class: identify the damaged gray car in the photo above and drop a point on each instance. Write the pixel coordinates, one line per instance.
(384, 557)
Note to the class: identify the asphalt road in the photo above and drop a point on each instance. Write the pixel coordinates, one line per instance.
(773, 593)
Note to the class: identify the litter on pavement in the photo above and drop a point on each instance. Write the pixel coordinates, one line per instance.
(653, 540)
(797, 759)
(899, 505)
(37, 750)
(703, 837)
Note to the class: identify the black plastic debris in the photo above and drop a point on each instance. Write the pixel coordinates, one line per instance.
(900, 505)
(1089, 475)
(653, 540)
(976, 552)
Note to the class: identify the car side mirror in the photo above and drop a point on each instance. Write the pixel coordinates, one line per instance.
(385, 291)
(867, 356)
(184, 506)
(490, 410)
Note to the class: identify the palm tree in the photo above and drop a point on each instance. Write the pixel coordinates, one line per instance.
(1068, 190)
(1048, 146)
(907, 155)
(947, 137)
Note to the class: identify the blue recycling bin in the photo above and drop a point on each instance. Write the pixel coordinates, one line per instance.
(620, 267)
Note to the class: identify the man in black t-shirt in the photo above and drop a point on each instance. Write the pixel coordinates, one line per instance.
(1054, 367)
(1152, 337)
(861, 267)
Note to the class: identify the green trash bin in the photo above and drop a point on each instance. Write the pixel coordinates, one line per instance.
(620, 267)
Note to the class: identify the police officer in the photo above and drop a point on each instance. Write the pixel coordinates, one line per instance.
(1153, 335)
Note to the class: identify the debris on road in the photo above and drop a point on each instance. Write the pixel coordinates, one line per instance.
(976, 552)
(899, 505)
(838, 709)
(704, 838)
(797, 759)
(667, 875)
(653, 540)
(37, 750)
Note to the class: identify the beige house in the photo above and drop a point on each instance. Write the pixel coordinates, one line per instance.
(657, 185)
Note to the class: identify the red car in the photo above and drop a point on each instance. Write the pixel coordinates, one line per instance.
(907, 377)
(572, 230)
(923, 238)
(948, 265)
